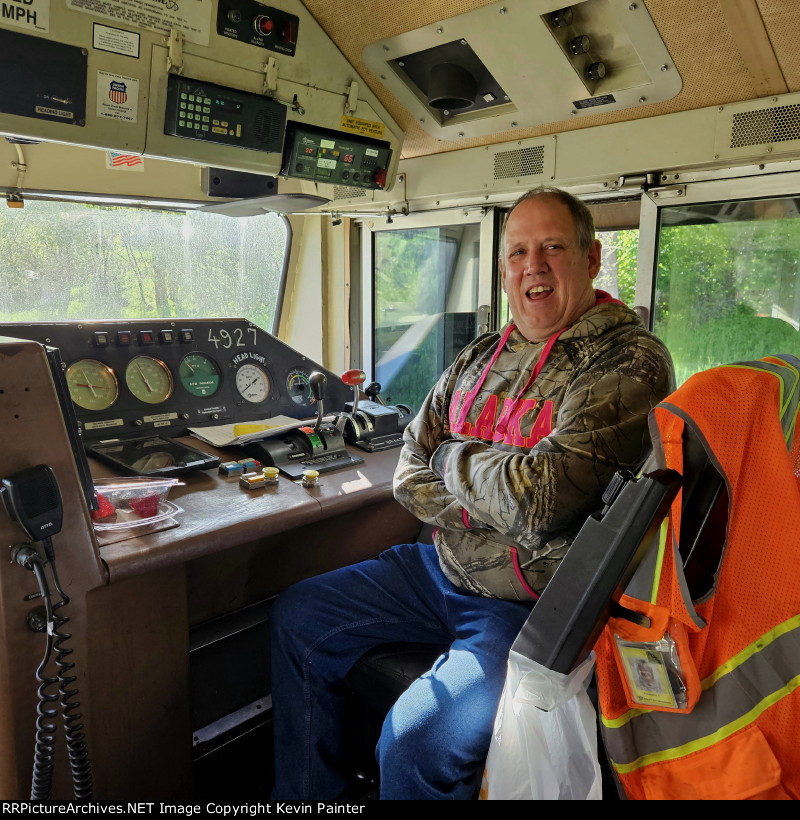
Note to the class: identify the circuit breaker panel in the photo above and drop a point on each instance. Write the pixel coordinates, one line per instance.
(211, 82)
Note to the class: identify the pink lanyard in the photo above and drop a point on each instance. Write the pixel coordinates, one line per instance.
(469, 398)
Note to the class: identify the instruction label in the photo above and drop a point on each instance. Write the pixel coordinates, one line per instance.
(367, 128)
(115, 40)
(30, 14)
(100, 425)
(117, 96)
(592, 102)
(192, 17)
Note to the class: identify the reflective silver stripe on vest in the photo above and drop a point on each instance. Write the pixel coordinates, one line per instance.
(790, 394)
(731, 702)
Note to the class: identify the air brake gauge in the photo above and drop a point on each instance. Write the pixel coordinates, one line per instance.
(92, 385)
(252, 382)
(149, 379)
(199, 374)
(299, 388)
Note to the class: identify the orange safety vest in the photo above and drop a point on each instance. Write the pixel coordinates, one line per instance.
(734, 733)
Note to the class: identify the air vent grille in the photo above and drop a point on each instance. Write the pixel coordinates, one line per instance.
(348, 192)
(779, 124)
(522, 162)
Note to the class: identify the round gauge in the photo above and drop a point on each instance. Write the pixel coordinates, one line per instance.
(92, 385)
(299, 388)
(199, 374)
(252, 382)
(149, 379)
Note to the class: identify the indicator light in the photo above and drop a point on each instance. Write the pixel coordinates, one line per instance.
(263, 25)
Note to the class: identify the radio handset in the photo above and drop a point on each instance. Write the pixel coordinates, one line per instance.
(32, 498)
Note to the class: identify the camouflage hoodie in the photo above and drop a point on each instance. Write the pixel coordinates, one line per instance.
(502, 460)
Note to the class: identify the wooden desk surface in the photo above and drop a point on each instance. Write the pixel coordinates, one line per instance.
(219, 513)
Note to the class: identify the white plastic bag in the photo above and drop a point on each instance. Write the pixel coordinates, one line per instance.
(544, 745)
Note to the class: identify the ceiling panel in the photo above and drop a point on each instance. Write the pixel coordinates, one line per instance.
(782, 24)
(694, 31)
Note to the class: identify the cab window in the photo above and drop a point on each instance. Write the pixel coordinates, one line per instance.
(728, 282)
(426, 293)
(71, 260)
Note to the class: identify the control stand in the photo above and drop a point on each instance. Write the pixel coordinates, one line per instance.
(372, 425)
(321, 447)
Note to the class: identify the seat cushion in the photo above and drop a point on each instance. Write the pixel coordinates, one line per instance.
(381, 675)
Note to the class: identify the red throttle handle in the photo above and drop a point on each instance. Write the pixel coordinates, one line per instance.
(353, 378)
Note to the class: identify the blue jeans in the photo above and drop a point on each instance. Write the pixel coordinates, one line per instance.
(436, 737)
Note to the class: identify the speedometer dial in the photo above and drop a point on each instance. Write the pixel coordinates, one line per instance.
(199, 374)
(92, 385)
(149, 379)
(252, 382)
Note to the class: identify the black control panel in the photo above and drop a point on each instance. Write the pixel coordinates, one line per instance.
(213, 113)
(335, 157)
(42, 78)
(161, 376)
(264, 26)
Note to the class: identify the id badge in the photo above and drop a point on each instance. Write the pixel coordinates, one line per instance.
(653, 673)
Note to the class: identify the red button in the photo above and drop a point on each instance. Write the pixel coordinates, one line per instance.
(264, 24)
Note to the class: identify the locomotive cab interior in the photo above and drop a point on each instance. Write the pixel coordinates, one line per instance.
(252, 235)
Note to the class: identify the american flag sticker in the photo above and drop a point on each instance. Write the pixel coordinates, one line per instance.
(124, 162)
(117, 92)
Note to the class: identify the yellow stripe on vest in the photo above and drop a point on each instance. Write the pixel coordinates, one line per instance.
(721, 734)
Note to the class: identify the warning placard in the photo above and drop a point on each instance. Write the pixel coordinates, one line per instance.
(366, 128)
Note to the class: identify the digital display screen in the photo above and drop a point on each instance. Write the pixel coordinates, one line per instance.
(153, 455)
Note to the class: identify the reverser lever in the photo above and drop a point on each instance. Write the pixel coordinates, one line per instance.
(317, 381)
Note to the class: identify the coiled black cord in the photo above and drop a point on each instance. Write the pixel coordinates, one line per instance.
(45, 746)
(77, 749)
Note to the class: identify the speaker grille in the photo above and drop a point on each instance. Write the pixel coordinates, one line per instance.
(348, 192)
(523, 162)
(38, 494)
(267, 129)
(779, 124)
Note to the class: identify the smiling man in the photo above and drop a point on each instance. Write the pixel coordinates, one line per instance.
(548, 261)
(509, 453)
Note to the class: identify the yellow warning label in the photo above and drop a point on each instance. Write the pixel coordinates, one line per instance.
(365, 127)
